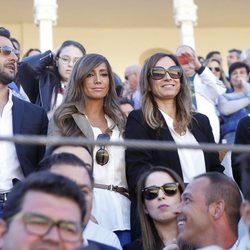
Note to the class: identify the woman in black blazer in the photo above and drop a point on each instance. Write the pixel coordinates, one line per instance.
(166, 115)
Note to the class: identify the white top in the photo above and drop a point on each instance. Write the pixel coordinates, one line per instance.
(10, 166)
(213, 247)
(192, 161)
(100, 234)
(207, 89)
(111, 209)
(243, 243)
(59, 100)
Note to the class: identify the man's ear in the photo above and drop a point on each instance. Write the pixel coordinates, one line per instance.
(216, 209)
(245, 212)
(3, 229)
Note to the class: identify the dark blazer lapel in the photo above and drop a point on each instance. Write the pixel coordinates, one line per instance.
(17, 111)
(197, 131)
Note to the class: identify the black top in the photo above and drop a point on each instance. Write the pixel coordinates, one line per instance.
(139, 160)
(38, 78)
(242, 137)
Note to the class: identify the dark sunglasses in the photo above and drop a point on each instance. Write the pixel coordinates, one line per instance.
(217, 69)
(158, 73)
(169, 189)
(6, 50)
(102, 155)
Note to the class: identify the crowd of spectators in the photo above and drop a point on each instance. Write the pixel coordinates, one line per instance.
(110, 197)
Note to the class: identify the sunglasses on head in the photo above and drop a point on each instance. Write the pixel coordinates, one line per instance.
(102, 155)
(158, 73)
(6, 50)
(217, 69)
(169, 189)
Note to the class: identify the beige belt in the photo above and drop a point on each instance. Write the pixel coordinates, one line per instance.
(120, 190)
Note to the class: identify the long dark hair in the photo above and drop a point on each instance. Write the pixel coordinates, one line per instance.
(150, 237)
(149, 106)
(75, 95)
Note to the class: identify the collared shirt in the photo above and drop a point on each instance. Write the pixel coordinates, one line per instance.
(10, 166)
(192, 161)
(136, 99)
(100, 234)
(213, 247)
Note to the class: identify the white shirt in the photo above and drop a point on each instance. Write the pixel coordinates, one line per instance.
(213, 247)
(192, 161)
(244, 243)
(111, 209)
(10, 166)
(102, 235)
(207, 89)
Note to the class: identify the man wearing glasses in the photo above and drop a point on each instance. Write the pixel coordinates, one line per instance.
(16, 117)
(132, 77)
(45, 211)
(75, 163)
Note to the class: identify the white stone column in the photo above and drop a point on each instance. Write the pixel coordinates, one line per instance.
(45, 16)
(185, 14)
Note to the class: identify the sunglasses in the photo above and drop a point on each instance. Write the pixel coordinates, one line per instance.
(169, 189)
(158, 73)
(216, 69)
(6, 50)
(102, 155)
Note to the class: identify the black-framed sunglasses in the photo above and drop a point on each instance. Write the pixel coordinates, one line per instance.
(158, 73)
(6, 50)
(169, 189)
(102, 155)
(41, 225)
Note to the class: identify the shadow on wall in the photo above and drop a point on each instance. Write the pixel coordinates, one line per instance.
(146, 54)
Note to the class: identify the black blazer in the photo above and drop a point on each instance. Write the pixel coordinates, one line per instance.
(28, 119)
(38, 78)
(242, 136)
(139, 160)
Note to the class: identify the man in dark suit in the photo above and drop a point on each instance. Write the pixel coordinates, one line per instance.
(16, 117)
(242, 136)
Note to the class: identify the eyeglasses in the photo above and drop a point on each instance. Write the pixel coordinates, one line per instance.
(216, 69)
(127, 76)
(158, 73)
(67, 59)
(169, 189)
(6, 50)
(102, 155)
(41, 225)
